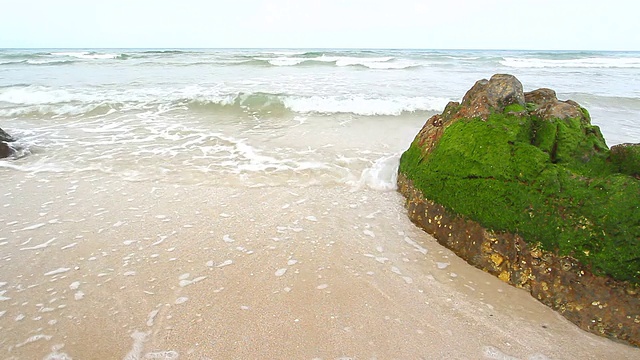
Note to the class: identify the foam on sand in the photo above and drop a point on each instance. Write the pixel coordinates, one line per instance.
(57, 271)
(41, 246)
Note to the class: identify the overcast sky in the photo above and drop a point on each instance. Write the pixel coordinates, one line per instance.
(425, 24)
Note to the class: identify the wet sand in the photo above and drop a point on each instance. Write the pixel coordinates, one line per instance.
(94, 267)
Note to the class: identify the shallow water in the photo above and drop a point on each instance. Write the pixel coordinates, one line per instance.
(100, 267)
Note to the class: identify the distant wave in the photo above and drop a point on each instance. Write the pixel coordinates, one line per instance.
(164, 52)
(371, 59)
(39, 62)
(362, 59)
(3, 63)
(50, 62)
(381, 63)
(29, 101)
(56, 58)
(87, 55)
(587, 62)
(592, 101)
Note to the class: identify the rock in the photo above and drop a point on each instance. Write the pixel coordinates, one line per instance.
(499, 92)
(531, 193)
(541, 97)
(5, 137)
(5, 149)
(559, 110)
(549, 107)
(485, 97)
(626, 157)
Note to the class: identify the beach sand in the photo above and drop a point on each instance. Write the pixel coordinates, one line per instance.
(100, 268)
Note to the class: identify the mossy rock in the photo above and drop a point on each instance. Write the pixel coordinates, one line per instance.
(551, 180)
(626, 159)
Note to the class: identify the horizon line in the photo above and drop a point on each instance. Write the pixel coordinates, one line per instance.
(310, 48)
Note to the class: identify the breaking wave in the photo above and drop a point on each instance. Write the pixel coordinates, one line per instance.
(586, 62)
(38, 101)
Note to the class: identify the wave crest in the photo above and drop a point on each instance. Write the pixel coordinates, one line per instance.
(590, 62)
(31, 101)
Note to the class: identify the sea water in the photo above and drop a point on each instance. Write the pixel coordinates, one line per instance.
(241, 204)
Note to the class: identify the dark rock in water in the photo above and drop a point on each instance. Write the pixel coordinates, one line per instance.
(5, 150)
(6, 137)
(524, 187)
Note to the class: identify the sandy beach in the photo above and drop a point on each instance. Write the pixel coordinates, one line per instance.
(196, 272)
(241, 204)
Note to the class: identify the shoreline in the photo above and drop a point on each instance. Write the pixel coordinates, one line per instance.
(314, 272)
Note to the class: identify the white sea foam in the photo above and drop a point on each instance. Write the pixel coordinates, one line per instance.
(181, 300)
(381, 175)
(370, 62)
(591, 62)
(348, 61)
(187, 282)
(40, 246)
(57, 271)
(418, 248)
(360, 105)
(34, 226)
(87, 55)
(139, 338)
(225, 263)
(378, 63)
(69, 246)
(162, 355)
(283, 61)
(152, 316)
(56, 355)
(34, 338)
(280, 272)
(491, 352)
(36, 99)
(54, 61)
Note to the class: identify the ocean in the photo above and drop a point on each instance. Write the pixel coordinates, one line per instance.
(240, 203)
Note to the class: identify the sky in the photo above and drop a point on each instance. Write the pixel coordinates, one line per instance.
(412, 24)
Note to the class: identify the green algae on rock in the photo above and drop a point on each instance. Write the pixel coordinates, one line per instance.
(530, 165)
